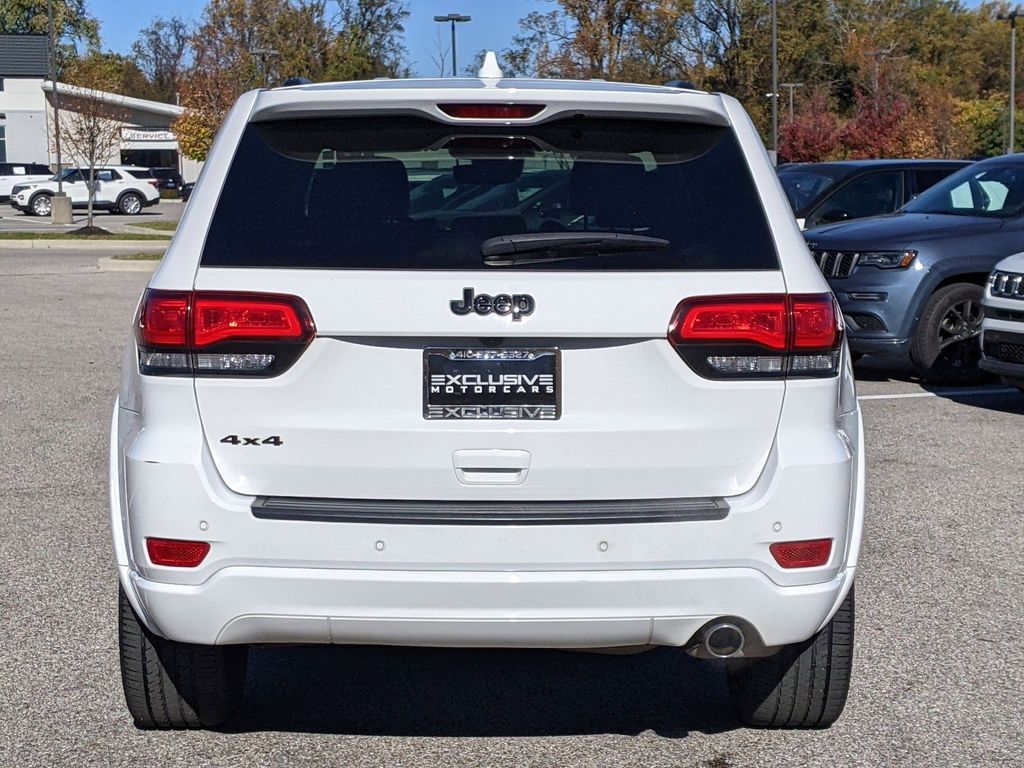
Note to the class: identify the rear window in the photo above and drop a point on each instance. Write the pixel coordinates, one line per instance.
(140, 173)
(411, 193)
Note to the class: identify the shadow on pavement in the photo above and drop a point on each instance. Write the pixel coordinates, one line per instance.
(470, 692)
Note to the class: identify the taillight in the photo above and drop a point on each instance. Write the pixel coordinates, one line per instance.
(802, 554)
(156, 184)
(208, 333)
(176, 553)
(491, 111)
(761, 336)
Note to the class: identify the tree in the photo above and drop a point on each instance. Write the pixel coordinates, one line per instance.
(812, 136)
(611, 39)
(122, 75)
(91, 128)
(245, 44)
(72, 23)
(161, 53)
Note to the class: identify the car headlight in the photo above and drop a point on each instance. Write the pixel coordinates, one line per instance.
(887, 259)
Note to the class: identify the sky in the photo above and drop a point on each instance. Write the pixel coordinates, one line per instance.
(493, 25)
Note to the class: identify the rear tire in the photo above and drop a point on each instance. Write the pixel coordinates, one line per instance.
(804, 685)
(946, 345)
(130, 204)
(177, 685)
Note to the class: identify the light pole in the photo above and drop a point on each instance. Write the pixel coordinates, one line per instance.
(60, 205)
(792, 87)
(454, 18)
(1012, 18)
(263, 53)
(775, 78)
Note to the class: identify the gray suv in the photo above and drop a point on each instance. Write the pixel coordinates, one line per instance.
(910, 283)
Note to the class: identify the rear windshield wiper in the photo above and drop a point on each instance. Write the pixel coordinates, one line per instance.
(538, 247)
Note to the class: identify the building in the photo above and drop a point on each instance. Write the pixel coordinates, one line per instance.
(27, 99)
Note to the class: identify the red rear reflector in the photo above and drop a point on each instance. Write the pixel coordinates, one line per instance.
(164, 319)
(217, 318)
(802, 554)
(176, 553)
(491, 111)
(754, 319)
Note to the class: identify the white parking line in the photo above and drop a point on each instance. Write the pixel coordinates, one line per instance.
(941, 393)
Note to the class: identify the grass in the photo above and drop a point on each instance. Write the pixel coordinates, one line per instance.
(73, 236)
(138, 256)
(163, 226)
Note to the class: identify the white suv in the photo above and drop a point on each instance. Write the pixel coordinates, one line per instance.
(625, 422)
(1002, 329)
(12, 174)
(121, 189)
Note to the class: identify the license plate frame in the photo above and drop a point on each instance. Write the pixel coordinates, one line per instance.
(515, 368)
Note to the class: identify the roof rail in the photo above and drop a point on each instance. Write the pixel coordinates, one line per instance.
(681, 84)
(297, 81)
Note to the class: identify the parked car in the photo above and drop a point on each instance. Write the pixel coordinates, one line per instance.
(827, 193)
(186, 190)
(167, 178)
(118, 190)
(911, 283)
(20, 173)
(633, 426)
(1002, 330)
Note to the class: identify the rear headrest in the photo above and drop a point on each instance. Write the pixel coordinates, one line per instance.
(610, 192)
(364, 191)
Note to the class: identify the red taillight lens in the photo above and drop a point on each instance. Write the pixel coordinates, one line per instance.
(754, 319)
(219, 318)
(802, 554)
(491, 111)
(771, 336)
(156, 184)
(163, 321)
(227, 334)
(816, 324)
(176, 553)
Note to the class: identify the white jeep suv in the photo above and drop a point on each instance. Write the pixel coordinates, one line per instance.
(624, 421)
(1002, 329)
(121, 189)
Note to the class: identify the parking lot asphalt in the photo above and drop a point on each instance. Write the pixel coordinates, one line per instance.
(937, 682)
(16, 221)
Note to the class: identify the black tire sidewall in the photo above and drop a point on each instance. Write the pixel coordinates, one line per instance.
(925, 350)
(125, 196)
(32, 204)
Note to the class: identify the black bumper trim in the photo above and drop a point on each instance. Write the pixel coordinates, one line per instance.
(400, 512)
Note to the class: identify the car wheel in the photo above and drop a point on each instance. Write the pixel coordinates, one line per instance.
(946, 347)
(129, 204)
(803, 685)
(177, 685)
(41, 205)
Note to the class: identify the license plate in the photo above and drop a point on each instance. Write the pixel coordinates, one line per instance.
(491, 384)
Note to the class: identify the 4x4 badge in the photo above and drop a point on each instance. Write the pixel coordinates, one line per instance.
(516, 304)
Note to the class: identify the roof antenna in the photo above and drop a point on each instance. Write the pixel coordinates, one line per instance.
(490, 69)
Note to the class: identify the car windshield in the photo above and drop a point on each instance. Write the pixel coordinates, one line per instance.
(995, 191)
(804, 185)
(411, 193)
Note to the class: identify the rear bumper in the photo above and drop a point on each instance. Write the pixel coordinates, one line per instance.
(480, 609)
(878, 346)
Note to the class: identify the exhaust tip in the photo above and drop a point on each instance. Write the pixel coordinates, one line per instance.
(723, 641)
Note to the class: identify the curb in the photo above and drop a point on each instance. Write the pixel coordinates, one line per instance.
(87, 245)
(110, 264)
